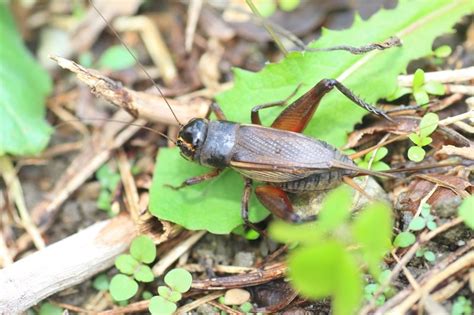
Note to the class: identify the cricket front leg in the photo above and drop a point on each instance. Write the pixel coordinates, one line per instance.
(197, 179)
(276, 200)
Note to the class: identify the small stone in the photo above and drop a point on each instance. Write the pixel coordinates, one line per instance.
(244, 259)
(236, 297)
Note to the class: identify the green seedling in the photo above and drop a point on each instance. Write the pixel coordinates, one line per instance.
(407, 238)
(421, 138)
(109, 181)
(376, 158)
(178, 281)
(428, 255)
(267, 8)
(420, 88)
(321, 265)
(371, 288)
(133, 267)
(462, 306)
(466, 211)
(50, 309)
(101, 282)
(116, 58)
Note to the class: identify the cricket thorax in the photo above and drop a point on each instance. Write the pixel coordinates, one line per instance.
(216, 150)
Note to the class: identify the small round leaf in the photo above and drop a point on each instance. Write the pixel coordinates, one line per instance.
(404, 239)
(160, 306)
(431, 225)
(415, 138)
(417, 224)
(443, 51)
(179, 280)
(50, 309)
(164, 291)
(126, 264)
(175, 296)
(429, 256)
(143, 274)
(418, 79)
(416, 154)
(399, 92)
(428, 124)
(143, 249)
(288, 5)
(101, 283)
(122, 287)
(421, 97)
(435, 88)
(425, 141)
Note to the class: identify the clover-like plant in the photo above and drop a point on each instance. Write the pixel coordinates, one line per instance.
(108, 180)
(133, 268)
(376, 158)
(428, 255)
(321, 265)
(426, 219)
(178, 281)
(420, 87)
(421, 138)
(371, 288)
(462, 306)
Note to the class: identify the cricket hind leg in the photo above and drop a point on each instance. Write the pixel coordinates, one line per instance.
(277, 202)
(296, 116)
(390, 42)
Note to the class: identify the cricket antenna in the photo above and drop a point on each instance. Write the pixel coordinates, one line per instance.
(136, 60)
(66, 122)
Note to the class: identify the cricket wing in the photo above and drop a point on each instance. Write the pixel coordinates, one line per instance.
(272, 155)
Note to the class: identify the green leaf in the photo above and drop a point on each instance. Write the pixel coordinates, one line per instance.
(143, 274)
(24, 86)
(215, 205)
(415, 138)
(335, 209)
(246, 307)
(399, 92)
(126, 264)
(116, 58)
(164, 291)
(50, 309)
(418, 79)
(443, 51)
(327, 270)
(160, 306)
(143, 249)
(428, 124)
(466, 211)
(380, 166)
(425, 210)
(101, 282)
(435, 88)
(122, 287)
(374, 246)
(425, 141)
(429, 256)
(404, 239)
(421, 97)
(179, 280)
(146, 295)
(104, 201)
(417, 224)
(288, 5)
(108, 178)
(416, 154)
(174, 296)
(431, 225)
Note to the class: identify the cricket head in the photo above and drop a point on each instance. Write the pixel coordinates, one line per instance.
(191, 137)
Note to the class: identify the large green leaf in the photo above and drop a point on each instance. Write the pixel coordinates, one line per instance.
(215, 206)
(23, 88)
